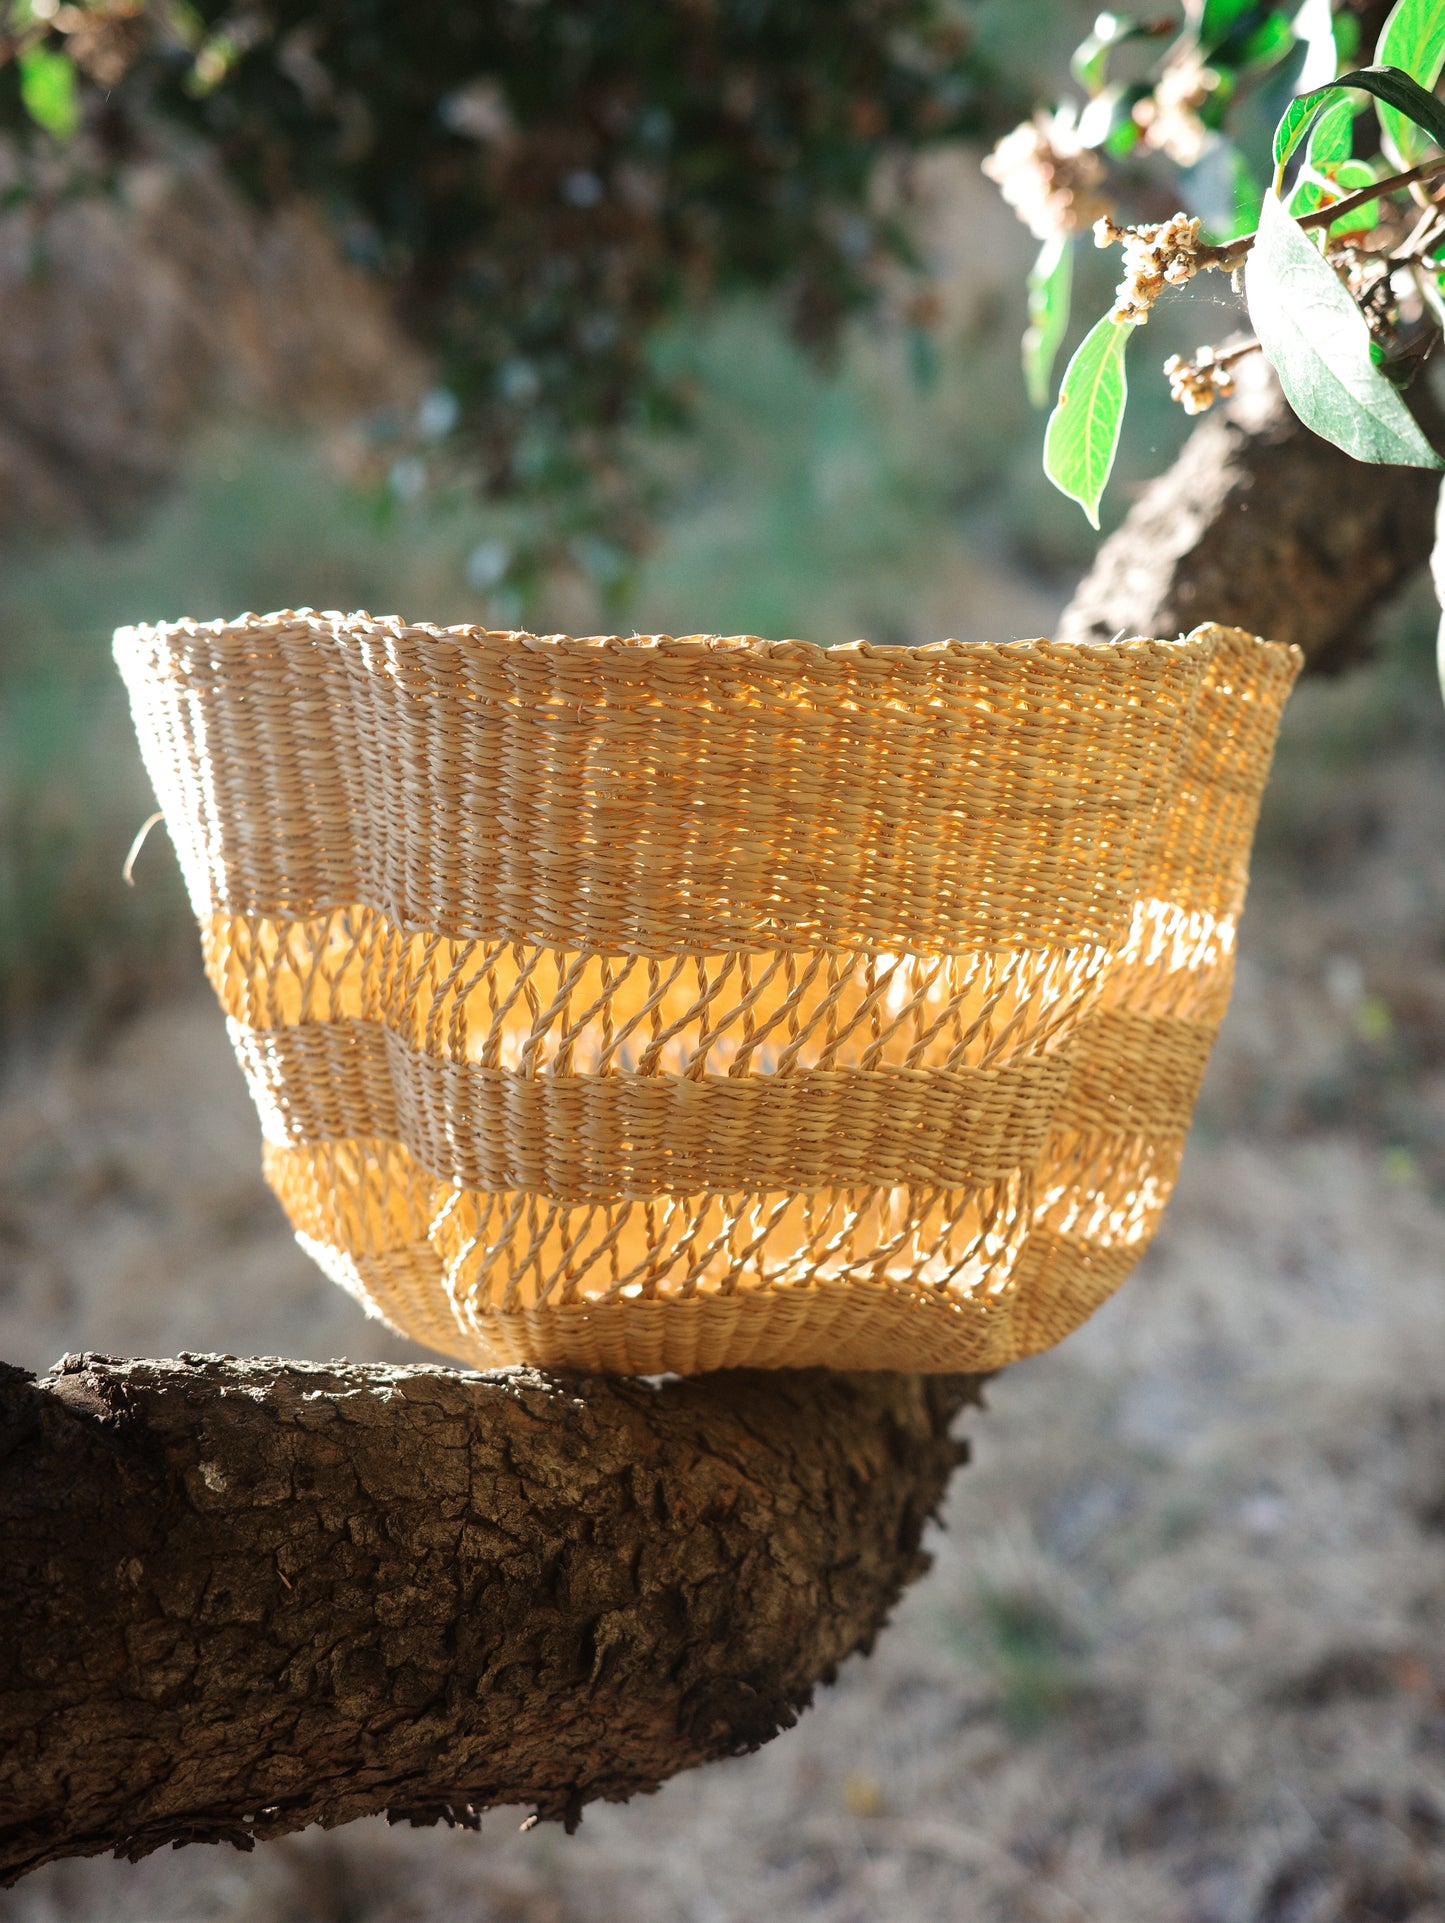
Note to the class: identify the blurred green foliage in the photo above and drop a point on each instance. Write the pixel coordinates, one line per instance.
(542, 186)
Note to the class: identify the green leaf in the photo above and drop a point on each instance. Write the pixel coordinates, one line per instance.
(1336, 180)
(1315, 338)
(1412, 39)
(1294, 123)
(1270, 42)
(48, 92)
(1396, 89)
(1306, 195)
(1333, 135)
(1090, 62)
(1348, 177)
(1219, 17)
(1083, 432)
(1050, 288)
(1241, 34)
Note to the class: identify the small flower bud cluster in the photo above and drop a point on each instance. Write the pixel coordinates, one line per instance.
(1048, 177)
(1169, 118)
(1199, 383)
(1166, 255)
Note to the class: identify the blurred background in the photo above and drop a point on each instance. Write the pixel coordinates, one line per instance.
(1181, 1655)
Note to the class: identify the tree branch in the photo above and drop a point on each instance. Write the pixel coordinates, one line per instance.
(1232, 253)
(242, 1597)
(1259, 524)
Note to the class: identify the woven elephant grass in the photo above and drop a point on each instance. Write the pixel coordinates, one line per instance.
(654, 1004)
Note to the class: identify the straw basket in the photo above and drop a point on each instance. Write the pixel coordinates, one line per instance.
(681, 1004)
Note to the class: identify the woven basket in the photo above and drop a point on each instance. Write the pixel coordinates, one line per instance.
(684, 1004)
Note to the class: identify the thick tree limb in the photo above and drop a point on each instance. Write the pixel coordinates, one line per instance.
(241, 1597)
(1259, 524)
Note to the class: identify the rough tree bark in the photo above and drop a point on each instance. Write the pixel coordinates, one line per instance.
(1261, 525)
(242, 1597)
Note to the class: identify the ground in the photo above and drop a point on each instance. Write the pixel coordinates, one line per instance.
(1182, 1655)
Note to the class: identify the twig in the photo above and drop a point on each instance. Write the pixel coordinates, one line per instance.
(1420, 238)
(1233, 252)
(1233, 354)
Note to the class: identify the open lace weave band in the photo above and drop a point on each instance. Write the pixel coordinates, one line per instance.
(651, 1004)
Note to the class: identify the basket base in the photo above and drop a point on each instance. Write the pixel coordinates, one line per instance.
(1057, 1284)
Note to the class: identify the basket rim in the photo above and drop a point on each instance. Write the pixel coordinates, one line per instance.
(335, 625)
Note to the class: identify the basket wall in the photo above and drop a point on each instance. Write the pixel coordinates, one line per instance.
(684, 1004)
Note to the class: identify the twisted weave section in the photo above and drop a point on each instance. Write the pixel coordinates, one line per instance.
(684, 1004)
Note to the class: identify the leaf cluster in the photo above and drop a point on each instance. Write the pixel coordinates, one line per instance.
(1331, 214)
